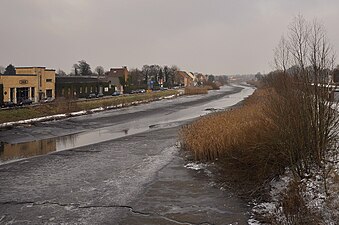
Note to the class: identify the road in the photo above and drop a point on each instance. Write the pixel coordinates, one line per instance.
(116, 167)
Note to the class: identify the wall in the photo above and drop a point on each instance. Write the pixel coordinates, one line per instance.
(17, 81)
(46, 79)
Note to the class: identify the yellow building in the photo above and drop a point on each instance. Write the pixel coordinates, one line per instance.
(34, 83)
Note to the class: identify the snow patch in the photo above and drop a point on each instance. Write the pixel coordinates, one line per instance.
(312, 191)
(169, 97)
(79, 113)
(83, 112)
(195, 166)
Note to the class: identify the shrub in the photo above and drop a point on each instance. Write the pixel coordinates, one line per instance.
(195, 90)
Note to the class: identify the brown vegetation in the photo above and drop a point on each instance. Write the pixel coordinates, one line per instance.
(195, 90)
(244, 139)
(288, 122)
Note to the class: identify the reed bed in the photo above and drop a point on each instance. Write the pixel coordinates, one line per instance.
(195, 90)
(243, 138)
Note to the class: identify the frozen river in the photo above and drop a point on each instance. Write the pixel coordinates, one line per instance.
(115, 167)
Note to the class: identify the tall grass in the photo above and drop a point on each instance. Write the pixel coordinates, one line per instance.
(285, 123)
(244, 139)
(195, 90)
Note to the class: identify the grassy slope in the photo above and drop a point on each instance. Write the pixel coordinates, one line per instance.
(65, 106)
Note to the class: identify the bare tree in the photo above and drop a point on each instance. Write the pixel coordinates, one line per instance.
(84, 68)
(61, 73)
(304, 108)
(282, 55)
(135, 77)
(76, 70)
(99, 70)
(298, 40)
(146, 72)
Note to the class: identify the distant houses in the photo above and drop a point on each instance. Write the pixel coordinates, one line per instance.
(117, 77)
(87, 86)
(39, 83)
(73, 87)
(186, 78)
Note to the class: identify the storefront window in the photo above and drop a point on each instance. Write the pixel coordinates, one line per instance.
(33, 92)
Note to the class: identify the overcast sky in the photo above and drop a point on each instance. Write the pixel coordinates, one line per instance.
(208, 36)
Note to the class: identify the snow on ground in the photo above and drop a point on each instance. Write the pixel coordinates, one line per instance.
(195, 166)
(79, 113)
(324, 206)
(39, 119)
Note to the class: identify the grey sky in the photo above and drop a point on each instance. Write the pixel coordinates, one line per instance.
(209, 36)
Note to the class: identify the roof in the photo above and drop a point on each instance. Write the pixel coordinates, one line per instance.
(188, 74)
(18, 75)
(29, 67)
(77, 79)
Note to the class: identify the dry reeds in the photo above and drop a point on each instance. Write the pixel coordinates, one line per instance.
(243, 137)
(195, 90)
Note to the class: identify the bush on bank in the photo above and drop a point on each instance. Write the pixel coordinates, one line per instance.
(286, 123)
(195, 90)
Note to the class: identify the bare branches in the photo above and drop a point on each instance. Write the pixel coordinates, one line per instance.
(298, 40)
(282, 55)
(305, 93)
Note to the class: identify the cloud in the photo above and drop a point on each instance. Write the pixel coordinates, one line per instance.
(214, 36)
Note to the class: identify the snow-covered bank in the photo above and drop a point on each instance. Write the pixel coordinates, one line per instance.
(82, 112)
(320, 205)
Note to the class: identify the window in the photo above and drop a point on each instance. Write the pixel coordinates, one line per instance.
(49, 80)
(86, 89)
(63, 92)
(32, 92)
(11, 94)
(80, 90)
(49, 93)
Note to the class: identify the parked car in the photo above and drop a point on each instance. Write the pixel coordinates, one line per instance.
(92, 95)
(137, 91)
(8, 105)
(49, 99)
(25, 102)
(100, 95)
(115, 93)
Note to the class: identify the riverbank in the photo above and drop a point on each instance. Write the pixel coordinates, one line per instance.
(246, 144)
(61, 109)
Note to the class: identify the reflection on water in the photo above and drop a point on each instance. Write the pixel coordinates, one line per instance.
(10, 152)
(27, 149)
